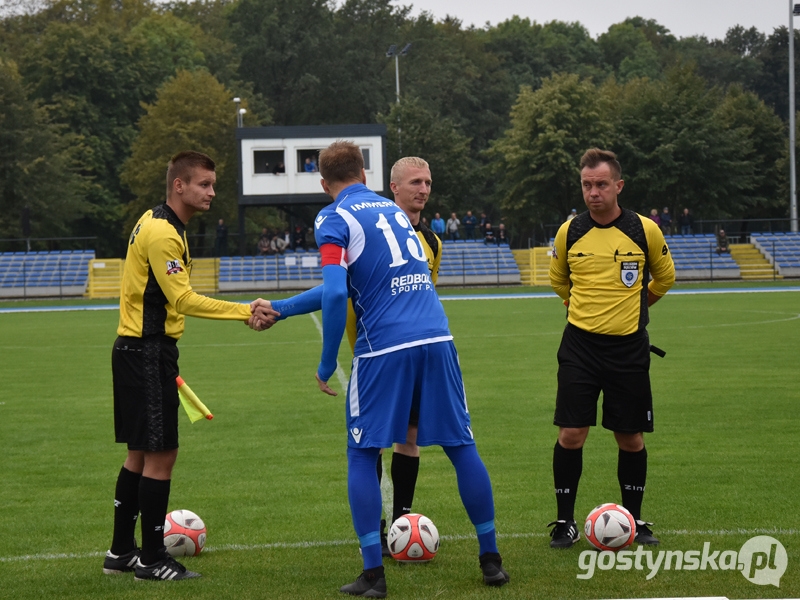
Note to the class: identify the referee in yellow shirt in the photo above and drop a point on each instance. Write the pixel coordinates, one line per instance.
(602, 265)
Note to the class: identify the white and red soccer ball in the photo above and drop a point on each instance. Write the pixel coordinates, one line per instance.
(610, 527)
(413, 538)
(184, 533)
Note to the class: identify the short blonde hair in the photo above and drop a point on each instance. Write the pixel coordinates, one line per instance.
(404, 163)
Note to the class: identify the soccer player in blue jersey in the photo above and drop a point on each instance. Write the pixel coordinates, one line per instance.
(371, 254)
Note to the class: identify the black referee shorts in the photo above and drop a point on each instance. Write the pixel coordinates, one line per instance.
(145, 392)
(619, 366)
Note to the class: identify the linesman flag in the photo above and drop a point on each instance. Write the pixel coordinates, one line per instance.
(195, 409)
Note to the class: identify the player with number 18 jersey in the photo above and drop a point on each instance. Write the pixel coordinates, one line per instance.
(404, 359)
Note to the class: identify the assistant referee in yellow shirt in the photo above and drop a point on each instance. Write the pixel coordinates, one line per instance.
(154, 297)
(602, 265)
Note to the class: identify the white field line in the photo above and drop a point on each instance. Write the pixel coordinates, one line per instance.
(354, 541)
(523, 296)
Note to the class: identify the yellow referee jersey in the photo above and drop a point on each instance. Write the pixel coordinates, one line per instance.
(604, 271)
(431, 246)
(155, 292)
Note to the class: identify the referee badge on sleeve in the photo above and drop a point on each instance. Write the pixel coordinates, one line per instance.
(629, 273)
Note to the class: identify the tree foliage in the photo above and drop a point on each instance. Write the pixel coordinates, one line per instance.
(536, 161)
(503, 112)
(415, 131)
(37, 166)
(192, 111)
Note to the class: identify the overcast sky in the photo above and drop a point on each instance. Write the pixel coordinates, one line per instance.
(683, 18)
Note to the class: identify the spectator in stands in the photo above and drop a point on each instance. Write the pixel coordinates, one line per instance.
(484, 220)
(299, 238)
(666, 221)
(279, 168)
(453, 223)
(265, 243)
(469, 222)
(311, 165)
(572, 214)
(221, 241)
(488, 234)
(437, 225)
(722, 242)
(502, 235)
(685, 222)
(655, 217)
(278, 244)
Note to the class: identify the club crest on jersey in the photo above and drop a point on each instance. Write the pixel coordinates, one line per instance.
(629, 273)
(174, 266)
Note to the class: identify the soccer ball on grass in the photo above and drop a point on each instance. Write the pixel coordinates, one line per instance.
(184, 533)
(413, 538)
(610, 527)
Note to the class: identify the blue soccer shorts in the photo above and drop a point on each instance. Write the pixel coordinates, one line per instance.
(386, 390)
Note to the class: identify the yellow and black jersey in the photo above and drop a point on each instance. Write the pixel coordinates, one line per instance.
(604, 270)
(431, 246)
(155, 291)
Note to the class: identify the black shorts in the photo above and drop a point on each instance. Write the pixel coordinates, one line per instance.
(145, 392)
(617, 365)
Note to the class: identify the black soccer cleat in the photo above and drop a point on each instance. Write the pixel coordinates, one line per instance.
(124, 563)
(564, 534)
(644, 536)
(370, 584)
(492, 567)
(166, 569)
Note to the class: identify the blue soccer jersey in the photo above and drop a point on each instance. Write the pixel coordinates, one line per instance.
(389, 282)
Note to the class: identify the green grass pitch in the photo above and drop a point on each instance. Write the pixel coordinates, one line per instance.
(268, 473)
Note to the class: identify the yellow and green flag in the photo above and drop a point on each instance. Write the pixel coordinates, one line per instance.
(191, 403)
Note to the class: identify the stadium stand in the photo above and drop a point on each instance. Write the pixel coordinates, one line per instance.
(468, 262)
(781, 249)
(695, 258)
(292, 270)
(59, 273)
(463, 262)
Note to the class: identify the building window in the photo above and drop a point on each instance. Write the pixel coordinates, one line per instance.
(268, 161)
(307, 161)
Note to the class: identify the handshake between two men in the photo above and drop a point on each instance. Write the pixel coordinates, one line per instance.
(263, 315)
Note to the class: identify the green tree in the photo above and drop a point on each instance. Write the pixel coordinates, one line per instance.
(763, 144)
(619, 42)
(643, 62)
(82, 75)
(674, 149)
(286, 52)
(773, 80)
(536, 162)
(37, 168)
(159, 45)
(360, 77)
(192, 112)
(451, 73)
(436, 139)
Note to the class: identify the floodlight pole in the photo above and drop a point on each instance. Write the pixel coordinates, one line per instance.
(239, 111)
(394, 52)
(792, 126)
